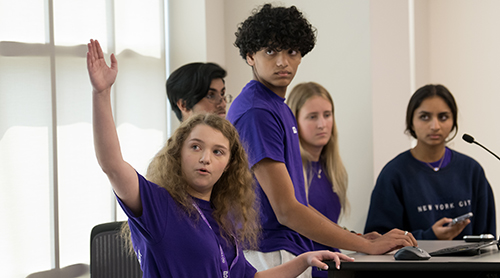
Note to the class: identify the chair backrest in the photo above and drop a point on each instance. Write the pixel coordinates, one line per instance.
(108, 255)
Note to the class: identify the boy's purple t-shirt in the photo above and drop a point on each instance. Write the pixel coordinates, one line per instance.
(170, 244)
(268, 129)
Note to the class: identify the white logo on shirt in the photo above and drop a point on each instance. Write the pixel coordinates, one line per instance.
(294, 130)
(443, 206)
(139, 256)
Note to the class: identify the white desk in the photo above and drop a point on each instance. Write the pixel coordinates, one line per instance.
(386, 266)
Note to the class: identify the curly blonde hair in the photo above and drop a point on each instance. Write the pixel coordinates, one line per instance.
(330, 156)
(233, 195)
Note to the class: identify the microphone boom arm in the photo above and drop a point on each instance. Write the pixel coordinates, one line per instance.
(486, 149)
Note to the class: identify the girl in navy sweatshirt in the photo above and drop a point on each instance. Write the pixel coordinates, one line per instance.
(423, 188)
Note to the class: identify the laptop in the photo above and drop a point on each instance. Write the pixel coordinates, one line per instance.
(470, 249)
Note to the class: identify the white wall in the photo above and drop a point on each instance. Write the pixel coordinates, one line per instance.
(365, 57)
(188, 36)
(464, 55)
(391, 79)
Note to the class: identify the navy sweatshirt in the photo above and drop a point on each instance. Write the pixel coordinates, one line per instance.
(411, 196)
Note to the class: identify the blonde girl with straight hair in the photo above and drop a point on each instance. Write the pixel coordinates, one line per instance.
(329, 157)
(325, 176)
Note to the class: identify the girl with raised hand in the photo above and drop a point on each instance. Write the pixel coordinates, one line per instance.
(195, 211)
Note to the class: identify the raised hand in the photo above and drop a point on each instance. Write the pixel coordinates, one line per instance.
(101, 76)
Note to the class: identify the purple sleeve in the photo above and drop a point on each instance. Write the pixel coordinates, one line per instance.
(151, 223)
(262, 136)
(249, 270)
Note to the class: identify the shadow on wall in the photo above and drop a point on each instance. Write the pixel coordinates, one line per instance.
(72, 271)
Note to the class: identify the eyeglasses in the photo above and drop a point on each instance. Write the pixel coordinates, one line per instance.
(217, 98)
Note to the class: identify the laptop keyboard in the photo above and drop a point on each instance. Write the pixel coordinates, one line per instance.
(463, 250)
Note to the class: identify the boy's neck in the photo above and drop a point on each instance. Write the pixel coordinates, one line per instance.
(280, 91)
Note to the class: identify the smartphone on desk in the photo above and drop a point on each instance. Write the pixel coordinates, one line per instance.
(461, 218)
(479, 238)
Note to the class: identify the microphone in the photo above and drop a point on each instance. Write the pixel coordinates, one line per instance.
(469, 139)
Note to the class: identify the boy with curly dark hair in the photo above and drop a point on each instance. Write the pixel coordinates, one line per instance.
(275, 35)
(273, 41)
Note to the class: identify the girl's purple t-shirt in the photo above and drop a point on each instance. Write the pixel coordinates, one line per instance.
(322, 197)
(170, 244)
(268, 129)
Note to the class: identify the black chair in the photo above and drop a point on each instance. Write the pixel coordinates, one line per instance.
(108, 255)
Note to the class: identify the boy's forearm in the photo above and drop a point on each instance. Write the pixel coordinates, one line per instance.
(317, 227)
(275, 181)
